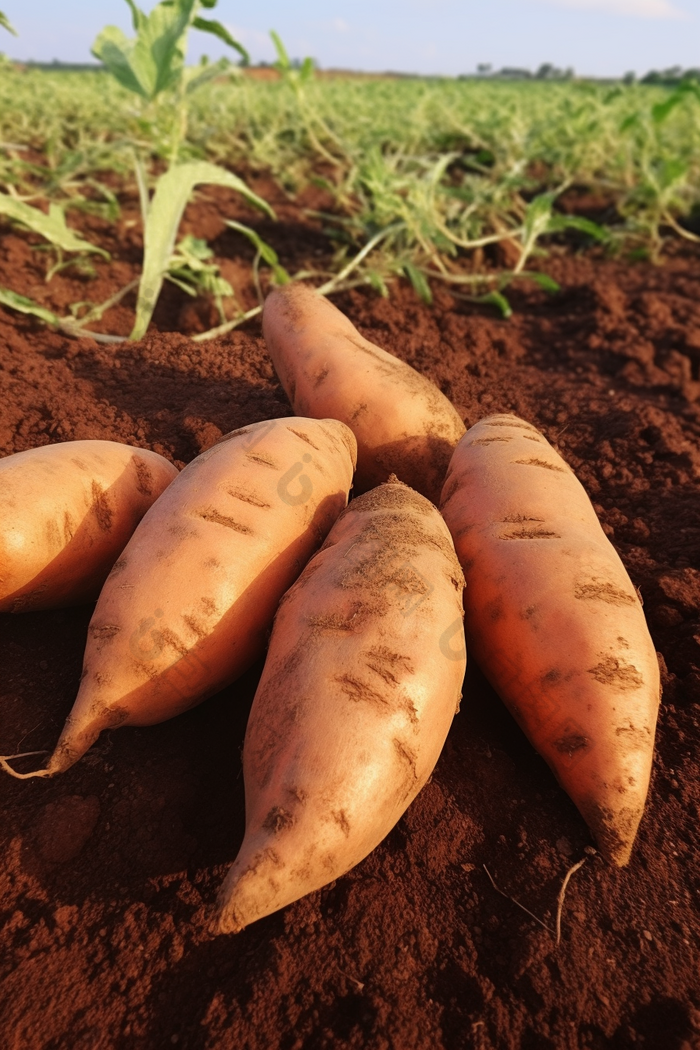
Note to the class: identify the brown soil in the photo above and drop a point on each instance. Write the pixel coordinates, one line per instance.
(108, 873)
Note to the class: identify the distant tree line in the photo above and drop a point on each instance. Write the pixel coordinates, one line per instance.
(668, 77)
(547, 71)
(63, 67)
(671, 77)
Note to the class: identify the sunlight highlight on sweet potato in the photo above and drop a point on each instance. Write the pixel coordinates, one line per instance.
(361, 683)
(187, 607)
(554, 621)
(403, 424)
(66, 513)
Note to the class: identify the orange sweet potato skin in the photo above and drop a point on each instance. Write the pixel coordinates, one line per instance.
(66, 513)
(403, 423)
(555, 622)
(360, 686)
(187, 607)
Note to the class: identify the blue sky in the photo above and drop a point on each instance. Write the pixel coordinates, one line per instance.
(596, 37)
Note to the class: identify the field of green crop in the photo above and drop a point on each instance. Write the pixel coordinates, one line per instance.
(426, 176)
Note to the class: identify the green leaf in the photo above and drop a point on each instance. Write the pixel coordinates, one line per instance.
(377, 282)
(112, 210)
(538, 217)
(217, 29)
(52, 226)
(162, 42)
(547, 283)
(282, 57)
(267, 252)
(498, 300)
(180, 282)
(419, 282)
(138, 18)
(115, 51)
(164, 214)
(661, 110)
(578, 222)
(6, 24)
(195, 248)
(671, 171)
(632, 121)
(27, 306)
(200, 75)
(307, 70)
(155, 59)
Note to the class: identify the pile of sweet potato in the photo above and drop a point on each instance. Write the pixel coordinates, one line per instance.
(372, 617)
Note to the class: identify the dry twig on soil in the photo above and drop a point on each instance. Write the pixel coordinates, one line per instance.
(560, 899)
(519, 905)
(562, 891)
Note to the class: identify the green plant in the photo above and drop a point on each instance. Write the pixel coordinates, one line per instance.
(298, 78)
(191, 269)
(430, 181)
(53, 229)
(162, 221)
(152, 65)
(52, 226)
(667, 185)
(6, 24)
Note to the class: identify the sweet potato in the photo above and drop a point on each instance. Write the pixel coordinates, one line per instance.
(66, 513)
(187, 606)
(403, 424)
(555, 622)
(360, 685)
